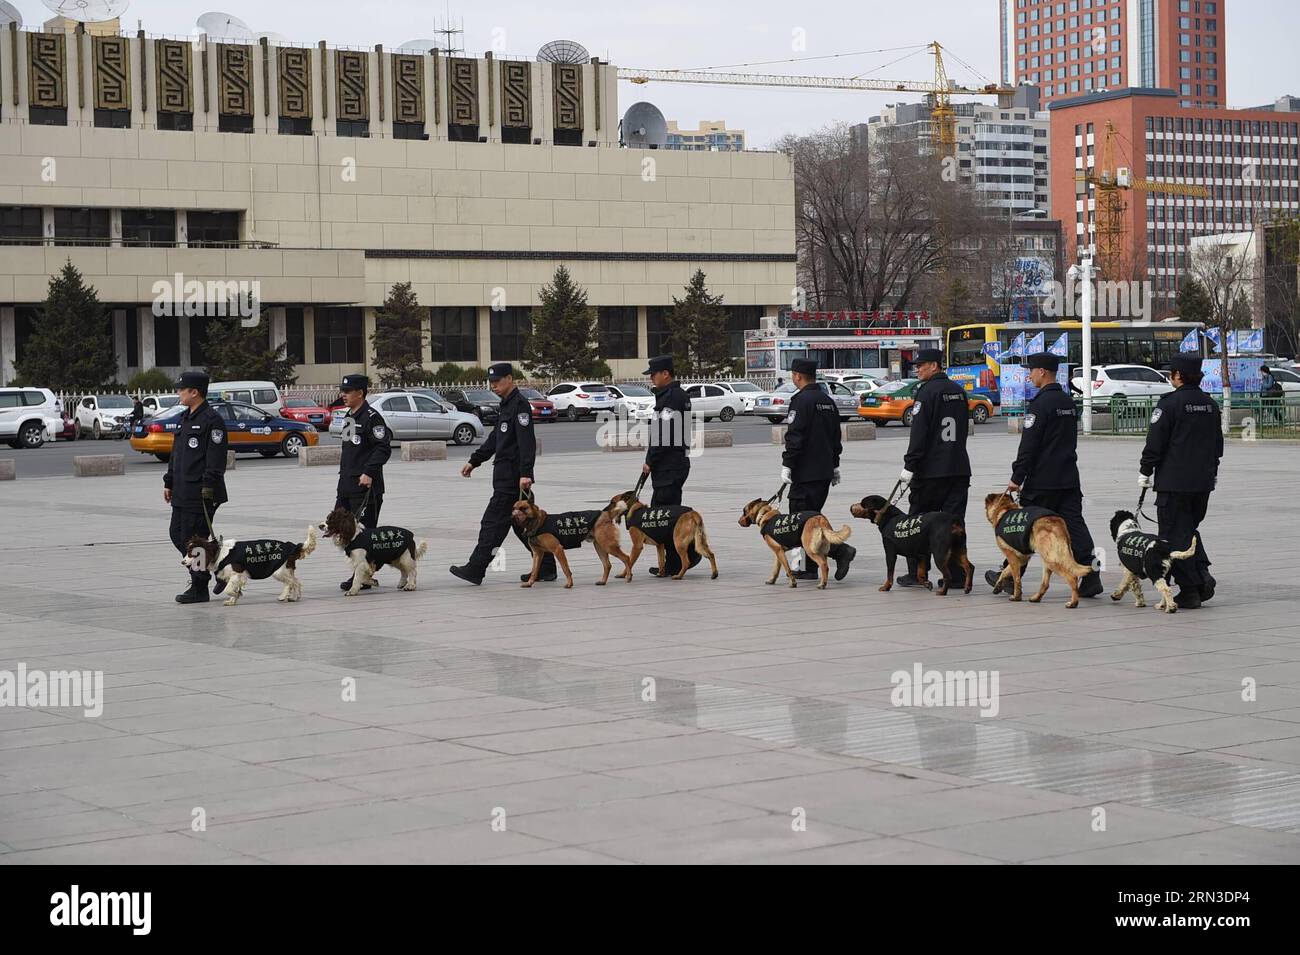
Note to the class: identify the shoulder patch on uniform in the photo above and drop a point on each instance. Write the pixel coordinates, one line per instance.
(378, 431)
(790, 419)
(1029, 420)
(1155, 415)
(217, 435)
(916, 405)
(193, 442)
(524, 417)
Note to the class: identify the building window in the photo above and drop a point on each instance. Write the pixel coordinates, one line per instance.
(617, 331)
(176, 122)
(339, 333)
(212, 228)
(508, 329)
(199, 325)
(295, 125)
(409, 131)
(453, 334)
(234, 124)
(520, 135)
(460, 133)
(739, 319)
(81, 226)
(113, 118)
(352, 127)
(295, 339)
(659, 340)
(149, 227)
(20, 225)
(47, 116)
(166, 341)
(572, 137)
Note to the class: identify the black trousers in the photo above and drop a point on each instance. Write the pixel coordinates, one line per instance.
(668, 493)
(939, 494)
(1180, 514)
(186, 523)
(492, 531)
(353, 503)
(1068, 502)
(811, 496)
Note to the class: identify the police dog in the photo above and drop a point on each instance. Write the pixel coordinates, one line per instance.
(378, 546)
(816, 538)
(934, 534)
(1145, 557)
(253, 559)
(600, 531)
(688, 532)
(1051, 542)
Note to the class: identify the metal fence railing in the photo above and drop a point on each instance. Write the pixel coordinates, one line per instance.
(1253, 417)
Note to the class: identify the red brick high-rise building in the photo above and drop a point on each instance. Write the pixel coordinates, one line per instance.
(1077, 47)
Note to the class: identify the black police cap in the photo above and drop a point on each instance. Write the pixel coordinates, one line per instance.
(500, 370)
(659, 363)
(804, 366)
(928, 355)
(354, 383)
(194, 379)
(1045, 360)
(1185, 364)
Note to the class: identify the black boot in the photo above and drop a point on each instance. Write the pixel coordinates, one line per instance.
(1185, 600)
(468, 574)
(198, 592)
(1207, 588)
(542, 575)
(843, 555)
(1091, 586)
(347, 585)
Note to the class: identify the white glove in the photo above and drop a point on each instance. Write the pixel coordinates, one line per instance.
(906, 476)
(785, 476)
(835, 477)
(1144, 480)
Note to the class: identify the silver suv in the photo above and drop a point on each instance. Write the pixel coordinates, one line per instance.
(29, 416)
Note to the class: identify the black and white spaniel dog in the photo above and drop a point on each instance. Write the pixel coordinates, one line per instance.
(1145, 557)
(235, 562)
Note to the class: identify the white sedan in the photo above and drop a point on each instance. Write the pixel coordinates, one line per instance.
(1118, 383)
(577, 399)
(712, 401)
(635, 401)
(747, 391)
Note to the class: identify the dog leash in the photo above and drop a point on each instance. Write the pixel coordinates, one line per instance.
(897, 492)
(365, 501)
(780, 492)
(1141, 498)
(212, 535)
(636, 493)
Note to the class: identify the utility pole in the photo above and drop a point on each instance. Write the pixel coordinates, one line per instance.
(1084, 271)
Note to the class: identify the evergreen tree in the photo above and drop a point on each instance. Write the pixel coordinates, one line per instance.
(399, 338)
(697, 325)
(237, 352)
(954, 301)
(70, 348)
(562, 343)
(1194, 302)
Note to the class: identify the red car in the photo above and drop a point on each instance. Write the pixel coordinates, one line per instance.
(307, 410)
(543, 407)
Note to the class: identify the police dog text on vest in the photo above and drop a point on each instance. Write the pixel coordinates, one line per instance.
(102, 908)
(55, 688)
(946, 688)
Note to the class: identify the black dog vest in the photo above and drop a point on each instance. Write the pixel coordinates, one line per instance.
(1015, 527)
(261, 558)
(1133, 549)
(569, 529)
(383, 545)
(787, 529)
(907, 535)
(657, 523)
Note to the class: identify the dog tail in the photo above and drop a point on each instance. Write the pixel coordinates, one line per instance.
(1185, 554)
(419, 548)
(831, 537)
(309, 544)
(1080, 571)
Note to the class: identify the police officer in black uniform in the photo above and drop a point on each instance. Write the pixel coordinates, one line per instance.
(1046, 469)
(513, 445)
(936, 467)
(811, 460)
(367, 446)
(195, 482)
(666, 462)
(1183, 449)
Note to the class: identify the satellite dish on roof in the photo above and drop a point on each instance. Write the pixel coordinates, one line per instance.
(643, 126)
(563, 51)
(225, 26)
(279, 39)
(87, 11)
(9, 14)
(418, 46)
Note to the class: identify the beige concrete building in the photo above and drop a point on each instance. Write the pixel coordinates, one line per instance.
(326, 174)
(710, 134)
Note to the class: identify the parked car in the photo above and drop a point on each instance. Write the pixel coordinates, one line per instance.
(747, 391)
(778, 401)
(634, 401)
(69, 432)
(156, 403)
(1118, 383)
(860, 381)
(248, 428)
(476, 401)
(577, 399)
(420, 417)
(102, 415)
(711, 401)
(308, 410)
(543, 407)
(1290, 382)
(894, 401)
(29, 417)
(263, 394)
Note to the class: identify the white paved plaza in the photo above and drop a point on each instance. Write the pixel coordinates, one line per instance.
(497, 724)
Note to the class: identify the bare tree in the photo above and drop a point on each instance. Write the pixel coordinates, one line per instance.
(1227, 276)
(1282, 284)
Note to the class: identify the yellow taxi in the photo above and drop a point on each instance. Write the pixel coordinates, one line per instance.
(893, 401)
(248, 429)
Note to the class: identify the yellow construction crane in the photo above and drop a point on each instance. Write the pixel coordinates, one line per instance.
(1110, 184)
(940, 89)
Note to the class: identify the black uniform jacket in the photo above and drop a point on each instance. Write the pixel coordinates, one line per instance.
(666, 454)
(367, 445)
(812, 435)
(1185, 442)
(512, 443)
(198, 458)
(937, 447)
(1048, 458)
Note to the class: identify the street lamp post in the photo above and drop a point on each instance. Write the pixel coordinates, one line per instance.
(1084, 272)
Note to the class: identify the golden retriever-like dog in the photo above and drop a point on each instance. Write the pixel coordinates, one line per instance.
(1051, 541)
(552, 534)
(687, 532)
(816, 538)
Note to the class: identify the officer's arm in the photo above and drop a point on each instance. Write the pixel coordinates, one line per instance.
(1218, 438)
(527, 440)
(171, 462)
(214, 467)
(485, 450)
(837, 441)
(381, 449)
(919, 440)
(1031, 443)
(796, 432)
(1158, 436)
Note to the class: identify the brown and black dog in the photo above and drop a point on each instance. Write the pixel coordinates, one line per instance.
(369, 548)
(782, 532)
(556, 533)
(1040, 532)
(659, 525)
(934, 534)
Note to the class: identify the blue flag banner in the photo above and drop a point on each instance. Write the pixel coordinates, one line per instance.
(1213, 335)
(1035, 345)
(993, 350)
(1061, 347)
(1017, 349)
(1190, 343)
(1250, 341)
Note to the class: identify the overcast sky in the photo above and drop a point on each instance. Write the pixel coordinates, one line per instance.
(692, 34)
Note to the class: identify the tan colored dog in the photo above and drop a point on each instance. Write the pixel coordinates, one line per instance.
(687, 531)
(551, 534)
(816, 538)
(1051, 542)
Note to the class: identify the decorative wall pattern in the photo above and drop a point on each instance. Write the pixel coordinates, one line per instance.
(294, 66)
(567, 79)
(175, 82)
(516, 95)
(47, 77)
(462, 93)
(408, 88)
(234, 79)
(351, 85)
(112, 72)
